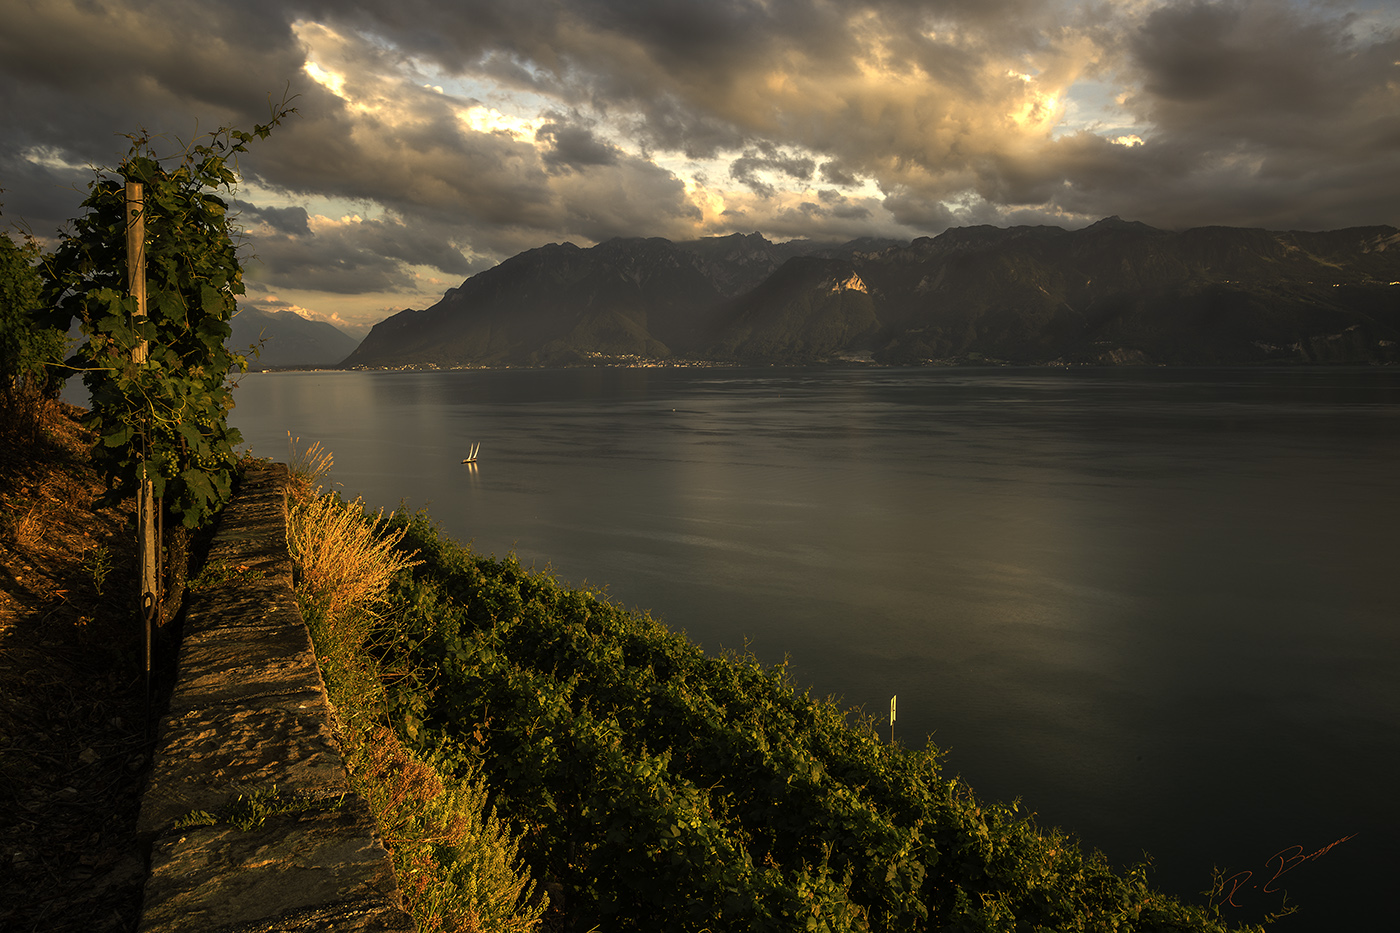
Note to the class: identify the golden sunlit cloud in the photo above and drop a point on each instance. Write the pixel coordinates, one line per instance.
(710, 201)
(479, 119)
(335, 83)
(1039, 113)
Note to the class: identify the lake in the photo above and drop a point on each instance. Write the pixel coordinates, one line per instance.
(1159, 606)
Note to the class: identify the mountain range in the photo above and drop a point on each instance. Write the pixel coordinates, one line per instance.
(1116, 292)
(286, 339)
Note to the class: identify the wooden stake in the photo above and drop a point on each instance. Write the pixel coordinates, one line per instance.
(147, 540)
(136, 258)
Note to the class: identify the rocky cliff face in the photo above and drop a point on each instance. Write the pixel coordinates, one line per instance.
(1116, 292)
(810, 308)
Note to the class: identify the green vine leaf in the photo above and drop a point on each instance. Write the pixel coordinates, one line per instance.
(166, 418)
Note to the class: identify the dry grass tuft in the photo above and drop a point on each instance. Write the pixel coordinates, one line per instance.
(457, 863)
(25, 523)
(310, 468)
(346, 558)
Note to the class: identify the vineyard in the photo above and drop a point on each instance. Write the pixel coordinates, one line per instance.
(654, 787)
(662, 789)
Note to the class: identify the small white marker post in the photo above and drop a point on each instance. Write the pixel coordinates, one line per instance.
(892, 699)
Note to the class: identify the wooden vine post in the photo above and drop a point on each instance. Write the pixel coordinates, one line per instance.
(147, 536)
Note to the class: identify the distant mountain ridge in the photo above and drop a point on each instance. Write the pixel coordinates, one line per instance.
(1116, 292)
(287, 339)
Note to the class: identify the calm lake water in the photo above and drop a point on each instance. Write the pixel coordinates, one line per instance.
(1158, 606)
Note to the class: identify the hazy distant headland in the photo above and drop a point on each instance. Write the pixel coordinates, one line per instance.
(286, 339)
(1114, 293)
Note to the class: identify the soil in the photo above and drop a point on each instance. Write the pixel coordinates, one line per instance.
(74, 749)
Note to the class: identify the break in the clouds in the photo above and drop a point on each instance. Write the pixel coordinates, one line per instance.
(436, 137)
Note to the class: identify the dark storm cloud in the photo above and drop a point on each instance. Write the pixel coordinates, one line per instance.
(621, 199)
(574, 146)
(69, 69)
(769, 158)
(1247, 110)
(919, 213)
(1262, 73)
(36, 198)
(77, 78)
(340, 271)
(832, 173)
(838, 205)
(422, 165)
(341, 261)
(697, 71)
(348, 255)
(289, 221)
(668, 122)
(1266, 112)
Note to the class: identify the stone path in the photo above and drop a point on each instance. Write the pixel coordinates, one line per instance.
(249, 719)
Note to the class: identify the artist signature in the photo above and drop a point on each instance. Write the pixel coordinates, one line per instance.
(1278, 865)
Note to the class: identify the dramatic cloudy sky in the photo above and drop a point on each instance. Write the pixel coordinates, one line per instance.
(436, 137)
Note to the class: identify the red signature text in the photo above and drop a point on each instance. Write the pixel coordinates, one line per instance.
(1278, 865)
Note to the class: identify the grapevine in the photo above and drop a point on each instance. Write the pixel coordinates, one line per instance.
(164, 419)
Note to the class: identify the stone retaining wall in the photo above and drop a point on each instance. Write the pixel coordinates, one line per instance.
(248, 714)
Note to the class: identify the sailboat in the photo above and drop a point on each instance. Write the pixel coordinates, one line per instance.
(471, 455)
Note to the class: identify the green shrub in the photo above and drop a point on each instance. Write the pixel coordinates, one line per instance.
(666, 790)
(31, 352)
